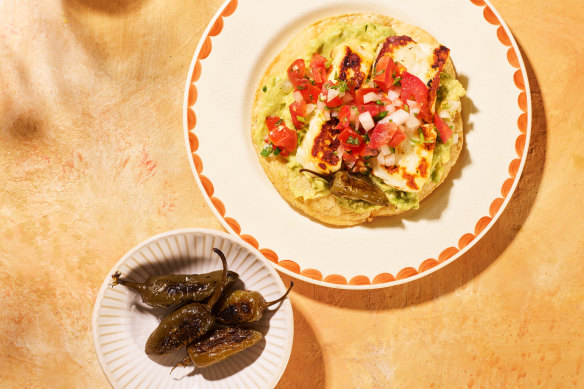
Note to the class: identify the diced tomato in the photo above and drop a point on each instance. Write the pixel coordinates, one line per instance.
(359, 93)
(372, 108)
(318, 68)
(397, 138)
(284, 138)
(414, 89)
(272, 122)
(297, 73)
(336, 102)
(369, 152)
(351, 140)
(386, 72)
(382, 134)
(344, 117)
(349, 159)
(442, 128)
(298, 109)
(309, 93)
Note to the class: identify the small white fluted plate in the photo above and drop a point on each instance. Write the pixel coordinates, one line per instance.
(122, 323)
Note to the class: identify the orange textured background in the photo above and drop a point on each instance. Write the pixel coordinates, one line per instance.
(92, 161)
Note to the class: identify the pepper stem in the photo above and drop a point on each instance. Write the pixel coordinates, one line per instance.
(328, 178)
(183, 363)
(221, 286)
(270, 303)
(134, 285)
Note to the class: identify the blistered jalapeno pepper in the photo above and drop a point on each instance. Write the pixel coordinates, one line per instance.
(187, 323)
(245, 306)
(353, 187)
(172, 289)
(220, 344)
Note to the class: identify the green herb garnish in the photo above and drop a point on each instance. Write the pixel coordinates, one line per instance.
(380, 116)
(266, 151)
(264, 88)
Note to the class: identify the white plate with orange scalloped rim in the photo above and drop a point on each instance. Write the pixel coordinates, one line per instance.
(229, 61)
(122, 322)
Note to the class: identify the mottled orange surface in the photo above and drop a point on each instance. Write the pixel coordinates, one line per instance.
(92, 161)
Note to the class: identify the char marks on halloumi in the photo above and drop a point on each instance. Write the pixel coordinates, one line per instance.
(317, 151)
(350, 64)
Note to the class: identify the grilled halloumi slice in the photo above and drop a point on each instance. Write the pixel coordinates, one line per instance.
(317, 150)
(351, 63)
(422, 60)
(413, 162)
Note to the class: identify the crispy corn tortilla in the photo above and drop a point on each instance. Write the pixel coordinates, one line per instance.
(326, 209)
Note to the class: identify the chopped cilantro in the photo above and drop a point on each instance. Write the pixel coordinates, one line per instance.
(379, 102)
(301, 87)
(280, 121)
(266, 151)
(379, 73)
(421, 140)
(406, 108)
(277, 151)
(353, 141)
(380, 115)
(264, 88)
(300, 119)
(392, 149)
(397, 81)
(366, 138)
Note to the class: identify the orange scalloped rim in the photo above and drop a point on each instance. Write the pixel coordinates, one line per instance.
(382, 278)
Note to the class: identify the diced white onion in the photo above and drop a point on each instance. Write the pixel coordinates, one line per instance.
(371, 96)
(320, 105)
(393, 93)
(384, 150)
(389, 160)
(389, 108)
(297, 96)
(444, 114)
(332, 93)
(399, 117)
(381, 159)
(412, 104)
(335, 114)
(340, 150)
(384, 120)
(327, 115)
(412, 123)
(309, 108)
(366, 120)
(397, 103)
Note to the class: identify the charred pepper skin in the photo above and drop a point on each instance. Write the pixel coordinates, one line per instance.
(221, 344)
(245, 306)
(179, 328)
(174, 289)
(186, 323)
(353, 187)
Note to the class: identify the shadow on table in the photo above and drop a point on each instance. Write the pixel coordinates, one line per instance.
(306, 367)
(479, 257)
(106, 6)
